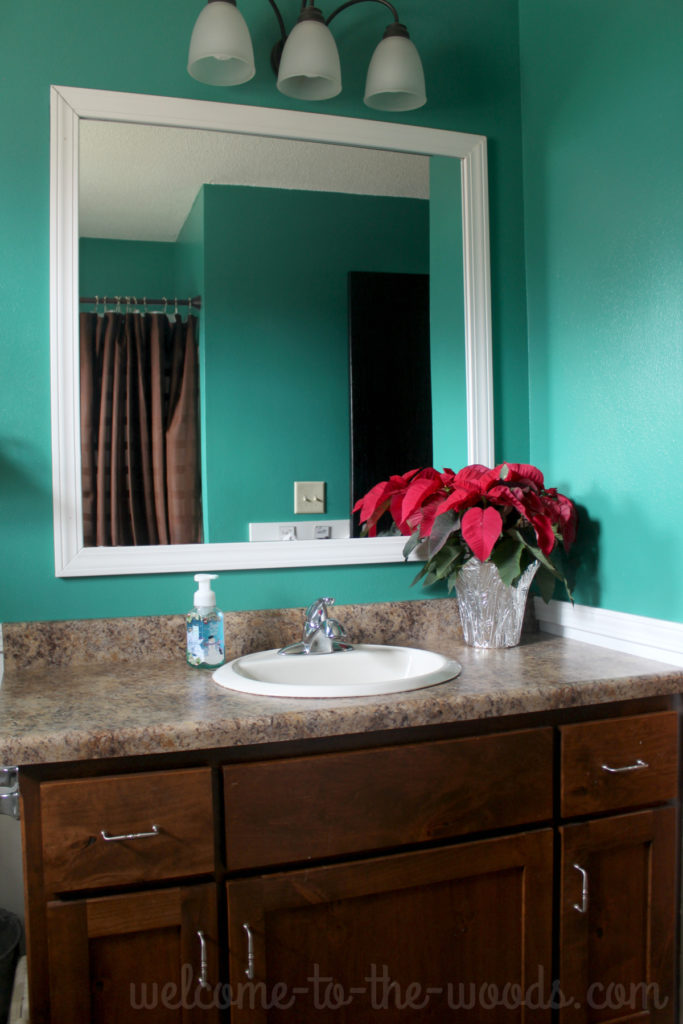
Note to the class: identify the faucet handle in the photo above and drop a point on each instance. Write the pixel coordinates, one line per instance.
(322, 635)
(316, 613)
(334, 630)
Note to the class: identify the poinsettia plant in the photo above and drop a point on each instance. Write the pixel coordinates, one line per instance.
(505, 514)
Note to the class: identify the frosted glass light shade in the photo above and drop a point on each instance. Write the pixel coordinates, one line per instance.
(395, 79)
(309, 66)
(221, 51)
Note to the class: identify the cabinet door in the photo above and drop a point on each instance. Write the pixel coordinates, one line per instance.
(618, 919)
(149, 955)
(461, 932)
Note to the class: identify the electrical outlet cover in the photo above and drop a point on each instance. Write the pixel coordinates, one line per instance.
(309, 497)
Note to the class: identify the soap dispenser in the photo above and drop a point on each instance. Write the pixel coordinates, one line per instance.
(205, 638)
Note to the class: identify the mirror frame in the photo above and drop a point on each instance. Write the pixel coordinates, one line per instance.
(70, 105)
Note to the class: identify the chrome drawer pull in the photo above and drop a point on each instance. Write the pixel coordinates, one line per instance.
(203, 962)
(626, 768)
(250, 953)
(582, 907)
(108, 838)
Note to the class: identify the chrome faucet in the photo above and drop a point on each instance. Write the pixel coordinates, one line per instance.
(322, 635)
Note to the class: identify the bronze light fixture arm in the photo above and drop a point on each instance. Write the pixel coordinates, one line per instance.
(352, 3)
(276, 52)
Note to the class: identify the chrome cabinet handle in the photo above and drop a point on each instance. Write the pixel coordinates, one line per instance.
(582, 907)
(627, 767)
(108, 838)
(250, 953)
(203, 961)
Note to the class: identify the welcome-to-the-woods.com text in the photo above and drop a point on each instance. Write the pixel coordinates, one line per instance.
(378, 991)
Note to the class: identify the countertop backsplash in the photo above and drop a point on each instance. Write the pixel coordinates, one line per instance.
(424, 623)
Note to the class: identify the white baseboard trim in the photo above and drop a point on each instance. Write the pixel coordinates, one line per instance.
(656, 639)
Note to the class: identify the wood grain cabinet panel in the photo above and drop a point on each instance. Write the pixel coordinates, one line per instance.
(150, 956)
(618, 763)
(280, 812)
(618, 919)
(77, 812)
(482, 878)
(458, 933)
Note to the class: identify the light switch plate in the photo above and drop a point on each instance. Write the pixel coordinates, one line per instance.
(309, 497)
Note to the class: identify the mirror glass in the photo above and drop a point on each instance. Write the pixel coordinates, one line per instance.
(266, 232)
(253, 221)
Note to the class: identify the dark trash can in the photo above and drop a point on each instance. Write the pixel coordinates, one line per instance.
(10, 937)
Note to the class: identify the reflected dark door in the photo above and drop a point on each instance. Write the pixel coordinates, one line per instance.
(390, 379)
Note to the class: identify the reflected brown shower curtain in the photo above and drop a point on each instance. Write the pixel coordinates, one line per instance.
(139, 429)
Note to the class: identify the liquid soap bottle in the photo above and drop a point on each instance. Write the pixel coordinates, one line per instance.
(205, 637)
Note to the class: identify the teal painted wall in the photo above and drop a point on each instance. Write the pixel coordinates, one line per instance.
(447, 317)
(471, 57)
(276, 324)
(274, 347)
(191, 247)
(602, 95)
(116, 267)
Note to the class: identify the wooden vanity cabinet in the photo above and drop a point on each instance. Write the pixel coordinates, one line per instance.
(517, 875)
(618, 885)
(432, 935)
(117, 918)
(150, 955)
(618, 919)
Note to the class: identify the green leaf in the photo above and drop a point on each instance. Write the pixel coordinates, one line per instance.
(547, 573)
(436, 565)
(411, 544)
(506, 557)
(444, 567)
(538, 555)
(444, 526)
(421, 573)
(545, 581)
(526, 560)
(429, 579)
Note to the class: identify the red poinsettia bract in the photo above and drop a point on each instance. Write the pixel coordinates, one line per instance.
(505, 514)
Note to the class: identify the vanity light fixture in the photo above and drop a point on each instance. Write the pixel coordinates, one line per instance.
(306, 60)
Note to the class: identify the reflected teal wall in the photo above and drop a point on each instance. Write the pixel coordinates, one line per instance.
(115, 267)
(603, 153)
(190, 251)
(276, 324)
(272, 266)
(447, 316)
(471, 57)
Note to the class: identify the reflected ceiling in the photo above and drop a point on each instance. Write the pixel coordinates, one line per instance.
(121, 166)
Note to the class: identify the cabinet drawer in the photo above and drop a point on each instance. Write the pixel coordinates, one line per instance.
(623, 762)
(280, 812)
(96, 832)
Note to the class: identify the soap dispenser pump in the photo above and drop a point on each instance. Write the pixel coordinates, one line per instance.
(205, 637)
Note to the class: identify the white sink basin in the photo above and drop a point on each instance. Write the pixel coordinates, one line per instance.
(366, 670)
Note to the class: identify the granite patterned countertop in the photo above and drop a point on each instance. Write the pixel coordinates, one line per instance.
(55, 709)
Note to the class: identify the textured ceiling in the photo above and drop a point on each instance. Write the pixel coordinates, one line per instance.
(139, 181)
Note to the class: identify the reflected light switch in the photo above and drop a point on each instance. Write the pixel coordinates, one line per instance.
(309, 497)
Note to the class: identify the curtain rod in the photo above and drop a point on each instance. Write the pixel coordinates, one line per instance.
(132, 300)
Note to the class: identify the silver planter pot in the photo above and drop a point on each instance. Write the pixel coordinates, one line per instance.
(491, 612)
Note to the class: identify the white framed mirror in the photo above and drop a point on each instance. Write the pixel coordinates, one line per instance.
(69, 106)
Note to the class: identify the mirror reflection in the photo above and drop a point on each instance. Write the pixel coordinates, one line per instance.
(266, 231)
(459, 284)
